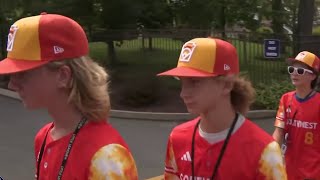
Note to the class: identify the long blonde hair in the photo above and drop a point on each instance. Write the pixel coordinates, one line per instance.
(88, 88)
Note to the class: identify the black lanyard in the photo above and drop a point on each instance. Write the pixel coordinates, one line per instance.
(66, 154)
(221, 152)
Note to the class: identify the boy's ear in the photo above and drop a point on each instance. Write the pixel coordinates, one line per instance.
(64, 76)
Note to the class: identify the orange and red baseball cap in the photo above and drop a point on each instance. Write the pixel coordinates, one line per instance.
(37, 40)
(205, 57)
(307, 58)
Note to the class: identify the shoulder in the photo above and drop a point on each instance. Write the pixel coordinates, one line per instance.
(184, 128)
(271, 163)
(255, 134)
(98, 135)
(42, 133)
(317, 96)
(288, 95)
(113, 161)
(181, 135)
(102, 133)
(272, 149)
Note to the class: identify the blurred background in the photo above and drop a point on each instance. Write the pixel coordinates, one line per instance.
(136, 39)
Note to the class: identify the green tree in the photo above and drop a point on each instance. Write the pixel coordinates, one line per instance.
(217, 14)
(117, 15)
(305, 17)
(10, 11)
(278, 18)
(154, 15)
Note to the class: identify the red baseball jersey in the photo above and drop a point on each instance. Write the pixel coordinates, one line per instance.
(98, 152)
(250, 154)
(299, 118)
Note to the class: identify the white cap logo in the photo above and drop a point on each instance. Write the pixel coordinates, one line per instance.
(301, 56)
(57, 49)
(187, 51)
(226, 67)
(11, 36)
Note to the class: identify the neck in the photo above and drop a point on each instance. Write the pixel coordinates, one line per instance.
(217, 120)
(65, 119)
(303, 92)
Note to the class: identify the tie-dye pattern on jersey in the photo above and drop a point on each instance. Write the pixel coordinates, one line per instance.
(170, 164)
(271, 163)
(113, 162)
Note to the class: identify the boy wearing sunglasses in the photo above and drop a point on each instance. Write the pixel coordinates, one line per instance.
(297, 121)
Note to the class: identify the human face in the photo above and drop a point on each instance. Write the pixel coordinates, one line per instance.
(201, 94)
(301, 79)
(35, 87)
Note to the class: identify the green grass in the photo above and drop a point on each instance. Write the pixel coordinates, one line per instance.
(136, 68)
(98, 51)
(132, 60)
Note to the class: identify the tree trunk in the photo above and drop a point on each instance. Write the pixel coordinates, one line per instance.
(3, 36)
(305, 17)
(278, 22)
(111, 53)
(305, 22)
(150, 44)
(222, 21)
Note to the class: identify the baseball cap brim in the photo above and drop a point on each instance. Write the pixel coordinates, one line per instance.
(186, 72)
(292, 60)
(10, 66)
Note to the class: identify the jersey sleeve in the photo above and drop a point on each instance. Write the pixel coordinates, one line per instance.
(281, 115)
(170, 163)
(113, 162)
(271, 163)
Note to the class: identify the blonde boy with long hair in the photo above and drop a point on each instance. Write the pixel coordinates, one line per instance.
(49, 68)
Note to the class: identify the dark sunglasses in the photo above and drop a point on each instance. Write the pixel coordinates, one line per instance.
(298, 70)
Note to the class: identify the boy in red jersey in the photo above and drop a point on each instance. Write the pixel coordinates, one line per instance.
(221, 143)
(49, 67)
(298, 117)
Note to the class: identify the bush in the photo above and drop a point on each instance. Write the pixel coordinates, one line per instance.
(142, 92)
(268, 95)
(264, 30)
(4, 80)
(261, 34)
(316, 31)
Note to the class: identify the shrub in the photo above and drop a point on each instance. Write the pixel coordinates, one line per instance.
(268, 95)
(4, 80)
(261, 34)
(264, 30)
(316, 31)
(142, 91)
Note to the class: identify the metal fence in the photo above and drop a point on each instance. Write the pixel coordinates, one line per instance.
(160, 49)
(164, 45)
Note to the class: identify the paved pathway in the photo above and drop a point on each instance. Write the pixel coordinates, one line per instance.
(147, 140)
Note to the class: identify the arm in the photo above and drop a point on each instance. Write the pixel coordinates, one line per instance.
(278, 135)
(171, 168)
(271, 165)
(279, 123)
(113, 162)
